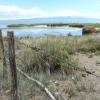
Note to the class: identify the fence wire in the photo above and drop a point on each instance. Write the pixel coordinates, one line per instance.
(27, 90)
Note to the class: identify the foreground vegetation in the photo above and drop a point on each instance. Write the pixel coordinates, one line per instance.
(49, 59)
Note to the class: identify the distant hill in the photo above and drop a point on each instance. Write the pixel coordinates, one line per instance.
(3, 23)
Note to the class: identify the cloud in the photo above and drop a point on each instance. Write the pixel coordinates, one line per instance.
(75, 13)
(67, 12)
(14, 12)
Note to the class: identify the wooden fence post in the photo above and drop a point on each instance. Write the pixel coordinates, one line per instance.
(3, 57)
(12, 62)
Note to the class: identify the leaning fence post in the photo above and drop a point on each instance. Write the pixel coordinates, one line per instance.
(13, 75)
(3, 57)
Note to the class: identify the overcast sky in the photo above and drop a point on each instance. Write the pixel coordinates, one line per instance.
(22, 9)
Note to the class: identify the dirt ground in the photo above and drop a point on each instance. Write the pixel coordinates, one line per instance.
(92, 64)
(83, 86)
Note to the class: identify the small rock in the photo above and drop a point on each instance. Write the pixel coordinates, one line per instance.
(90, 56)
(93, 71)
(8, 92)
(83, 75)
(56, 83)
(73, 78)
(56, 93)
(97, 63)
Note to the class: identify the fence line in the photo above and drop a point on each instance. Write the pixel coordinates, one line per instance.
(3, 57)
(39, 84)
(39, 50)
(13, 75)
(14, 69)
(28, 46)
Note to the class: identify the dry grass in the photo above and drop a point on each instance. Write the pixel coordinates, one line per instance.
(53, 64)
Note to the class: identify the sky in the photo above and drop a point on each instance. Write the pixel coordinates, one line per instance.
(26, 9)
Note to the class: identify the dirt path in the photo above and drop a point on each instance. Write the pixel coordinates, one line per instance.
(92, 64)
(81, 88)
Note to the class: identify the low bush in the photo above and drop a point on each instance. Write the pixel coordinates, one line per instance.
(50, 54)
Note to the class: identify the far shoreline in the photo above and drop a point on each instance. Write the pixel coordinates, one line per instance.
(55, 25)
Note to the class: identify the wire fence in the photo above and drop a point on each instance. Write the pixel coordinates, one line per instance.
(15, 84)
(22, 76)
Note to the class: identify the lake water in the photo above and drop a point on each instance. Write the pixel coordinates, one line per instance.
(42, 31)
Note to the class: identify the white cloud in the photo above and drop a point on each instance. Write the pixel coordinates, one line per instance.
(70, 12)
(14, 12)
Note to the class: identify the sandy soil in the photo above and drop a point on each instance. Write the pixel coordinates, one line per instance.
(88, 85)
(92, 64)
(83, 87)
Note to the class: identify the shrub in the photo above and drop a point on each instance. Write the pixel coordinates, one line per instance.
(52, 56)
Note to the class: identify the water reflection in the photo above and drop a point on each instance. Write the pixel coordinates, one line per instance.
(37, 32)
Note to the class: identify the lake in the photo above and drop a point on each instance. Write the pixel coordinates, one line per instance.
(42, 31)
